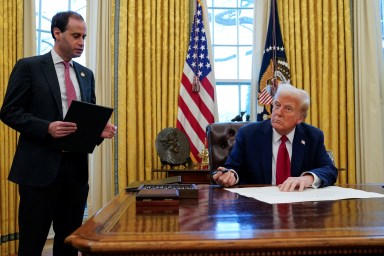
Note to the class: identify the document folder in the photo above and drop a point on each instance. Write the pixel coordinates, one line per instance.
(91, 120)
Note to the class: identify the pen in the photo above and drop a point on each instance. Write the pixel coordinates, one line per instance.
(222, 171)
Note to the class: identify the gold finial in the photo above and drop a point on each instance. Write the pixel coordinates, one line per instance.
(204, 155)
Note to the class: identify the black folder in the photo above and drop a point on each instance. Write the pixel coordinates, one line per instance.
(91, 120)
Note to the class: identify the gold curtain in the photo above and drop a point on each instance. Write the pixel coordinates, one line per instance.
(152, 39)
(11, 48)
(318, 40)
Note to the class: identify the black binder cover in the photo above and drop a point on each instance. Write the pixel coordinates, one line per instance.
(91, 120)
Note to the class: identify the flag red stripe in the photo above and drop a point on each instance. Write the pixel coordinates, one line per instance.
(194, 123)
(196, 97)
(194, 150)
(265, 97)
(208, 87)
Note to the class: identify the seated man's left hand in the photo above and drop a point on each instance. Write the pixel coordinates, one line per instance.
(301, 183)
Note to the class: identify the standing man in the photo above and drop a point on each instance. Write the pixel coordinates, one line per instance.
(255, 156)
(53, 185)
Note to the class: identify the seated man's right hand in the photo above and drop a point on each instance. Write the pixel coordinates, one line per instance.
(60, 129)
(227, 179)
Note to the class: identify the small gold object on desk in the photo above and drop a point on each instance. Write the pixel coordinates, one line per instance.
(204, 155)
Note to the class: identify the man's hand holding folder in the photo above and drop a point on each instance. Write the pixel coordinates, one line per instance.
(60, 129)
(84, 127)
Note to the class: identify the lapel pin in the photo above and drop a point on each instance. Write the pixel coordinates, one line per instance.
(82, 74)
(303, 142)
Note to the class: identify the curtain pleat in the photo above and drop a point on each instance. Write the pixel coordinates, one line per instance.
(98, 59)
(152, 42)
(11, 49)
(318, 40)
(369, 90)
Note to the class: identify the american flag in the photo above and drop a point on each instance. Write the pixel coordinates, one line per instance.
(265, 97)
(197, 92)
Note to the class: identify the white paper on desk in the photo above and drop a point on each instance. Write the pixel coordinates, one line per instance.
(273, 195)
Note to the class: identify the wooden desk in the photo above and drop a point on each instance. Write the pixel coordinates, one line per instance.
(187, 175)
(223, 223)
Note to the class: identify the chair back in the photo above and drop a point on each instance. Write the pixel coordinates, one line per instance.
(221, 137)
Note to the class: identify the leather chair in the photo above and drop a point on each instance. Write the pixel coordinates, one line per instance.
(221, 138)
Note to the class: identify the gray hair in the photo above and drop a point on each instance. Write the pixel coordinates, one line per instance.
(301, 95)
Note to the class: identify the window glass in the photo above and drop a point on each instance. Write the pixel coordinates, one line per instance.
(245, 93)
(245, 26)
(225, 29)
(382, 23)
(245, 62)
(231, 24)
(224, 3)
(225, 62)
(228, 100)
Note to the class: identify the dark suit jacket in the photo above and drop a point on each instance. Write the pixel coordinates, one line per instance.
(251, 156)
(31, 103)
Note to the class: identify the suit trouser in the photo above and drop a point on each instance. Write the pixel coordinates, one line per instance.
(61, 203)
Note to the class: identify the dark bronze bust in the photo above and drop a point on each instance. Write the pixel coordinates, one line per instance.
(172, 146)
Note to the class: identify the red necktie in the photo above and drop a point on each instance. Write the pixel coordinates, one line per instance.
(283, 164)
(71, 93)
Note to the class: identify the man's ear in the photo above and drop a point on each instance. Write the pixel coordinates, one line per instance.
(300, 121)
(56, 33)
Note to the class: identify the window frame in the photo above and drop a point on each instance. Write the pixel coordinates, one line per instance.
(240, 82)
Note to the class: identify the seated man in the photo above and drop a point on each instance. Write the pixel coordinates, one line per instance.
(258, 154)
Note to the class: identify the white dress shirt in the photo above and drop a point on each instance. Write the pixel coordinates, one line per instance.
(59, 66)
(276, 139)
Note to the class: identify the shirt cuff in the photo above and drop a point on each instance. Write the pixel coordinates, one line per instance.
(316, 180)
(236, 176)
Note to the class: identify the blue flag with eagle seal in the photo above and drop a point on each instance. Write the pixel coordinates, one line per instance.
(274, 67)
